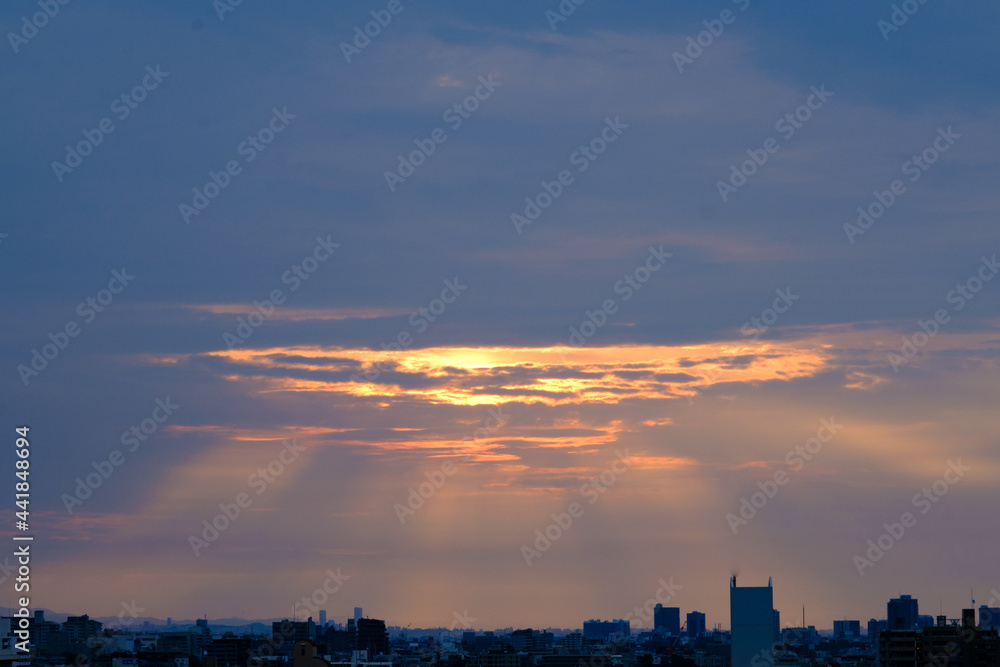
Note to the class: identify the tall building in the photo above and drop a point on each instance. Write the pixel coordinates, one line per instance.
(902, 613)
(667, 619)
(846, 629)
(205, 633)
(81, 628)
(46, 635)
(752, 620)
(695, 624)
(372, 636)
(989, 617)
(341, 641)
(322, 618)
(875, 628)
(290, 631)
(357, 614)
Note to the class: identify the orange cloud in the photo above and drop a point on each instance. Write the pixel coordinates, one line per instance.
(547, 375)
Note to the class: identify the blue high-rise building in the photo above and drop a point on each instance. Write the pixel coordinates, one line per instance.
(989, 617)
(695, 624)
(752, 621)
(667, 619)
(902, 613)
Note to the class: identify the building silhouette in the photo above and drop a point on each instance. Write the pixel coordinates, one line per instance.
(695, 624)
(752, 621)
(532, 641)
(945, 644)
(229, 651)
(902, 613)
(667, 619)
(292, 631)
(81, 628)
(875, 628)
(372, 636)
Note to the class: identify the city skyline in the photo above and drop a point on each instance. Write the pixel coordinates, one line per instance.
(133, 616)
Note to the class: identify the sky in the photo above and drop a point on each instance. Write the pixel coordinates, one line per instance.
(508, 312)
